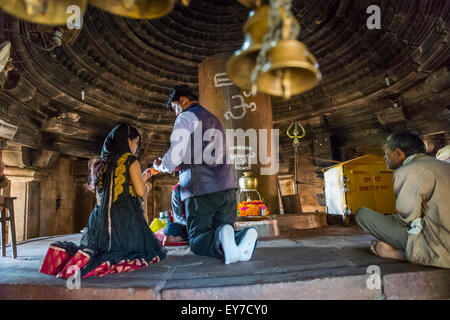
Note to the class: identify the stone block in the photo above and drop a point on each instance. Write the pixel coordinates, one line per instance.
(45, 158)
(46, 226)
(342, 288)
(49, 193)
(433, 284)
(65, 124)
(265, 228)
(41, 292)
(64, 167)
(302, 221)
(49, 183)
(67, 204)
(17, 156)
(47, 204)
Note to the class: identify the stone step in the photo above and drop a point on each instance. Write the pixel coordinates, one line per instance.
(322, 263)
(428, 285)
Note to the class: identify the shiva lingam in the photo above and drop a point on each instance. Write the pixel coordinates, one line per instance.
(247, 184)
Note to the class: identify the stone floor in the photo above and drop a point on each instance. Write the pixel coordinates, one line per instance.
(326, 263)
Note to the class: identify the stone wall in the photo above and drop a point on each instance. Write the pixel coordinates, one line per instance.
(84, 204)
(48, 201)
(57, 202)
(359, 144)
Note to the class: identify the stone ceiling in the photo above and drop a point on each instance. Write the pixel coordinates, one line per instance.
(127, 67)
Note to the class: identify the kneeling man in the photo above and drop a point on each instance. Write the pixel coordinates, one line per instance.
(207, 182)
(420, 232)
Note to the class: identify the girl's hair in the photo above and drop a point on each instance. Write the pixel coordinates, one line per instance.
(97, 167)
(134, 133)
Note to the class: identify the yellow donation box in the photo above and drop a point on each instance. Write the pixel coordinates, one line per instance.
(361, 182)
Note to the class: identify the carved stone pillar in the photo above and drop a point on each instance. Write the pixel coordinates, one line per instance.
(27, 169)
(25, 186)
(238, 109)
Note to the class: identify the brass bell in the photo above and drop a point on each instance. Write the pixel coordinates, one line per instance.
(254, 3)
(136, 9)
(49, 12)
(240, 66)
(242, 62)
(291, 69)
(257, 24)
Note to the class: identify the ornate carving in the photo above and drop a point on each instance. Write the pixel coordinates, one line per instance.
(127, 68)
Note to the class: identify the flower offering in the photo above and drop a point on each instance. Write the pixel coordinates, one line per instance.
(252, 208)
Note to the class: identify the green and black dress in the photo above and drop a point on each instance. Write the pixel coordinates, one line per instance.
(116, 240)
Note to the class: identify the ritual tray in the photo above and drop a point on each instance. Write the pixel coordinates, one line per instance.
(253, 218)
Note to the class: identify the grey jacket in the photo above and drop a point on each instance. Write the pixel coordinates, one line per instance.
(423, 202)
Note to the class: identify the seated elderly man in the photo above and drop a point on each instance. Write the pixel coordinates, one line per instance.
(420, 232)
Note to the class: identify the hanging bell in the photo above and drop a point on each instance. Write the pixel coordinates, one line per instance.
(242, 62)
(240, 66)
(136, 9)
(49, 12)
(291, 69)
(254, 3)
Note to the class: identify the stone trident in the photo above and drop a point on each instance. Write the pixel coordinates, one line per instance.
(296, 137)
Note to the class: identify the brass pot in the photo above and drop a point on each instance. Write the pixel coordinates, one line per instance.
(247, 182)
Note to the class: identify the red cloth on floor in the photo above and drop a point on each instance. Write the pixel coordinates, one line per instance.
(123, 266)
(176, 244)
(54, 261)
(59, 263)
(78, 261)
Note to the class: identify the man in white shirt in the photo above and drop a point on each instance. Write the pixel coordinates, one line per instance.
(198, 150)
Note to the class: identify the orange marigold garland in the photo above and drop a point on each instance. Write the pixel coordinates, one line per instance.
(252, 208)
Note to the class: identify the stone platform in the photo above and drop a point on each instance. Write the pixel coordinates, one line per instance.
(273, 225)
(326, 263)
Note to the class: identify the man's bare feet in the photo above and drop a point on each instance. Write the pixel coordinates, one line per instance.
(384, 250)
